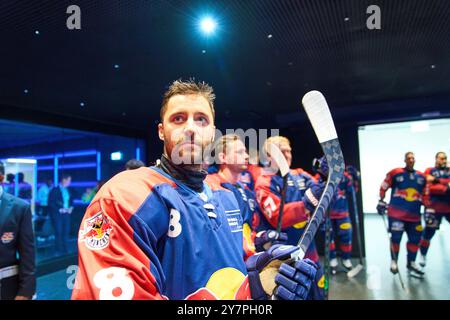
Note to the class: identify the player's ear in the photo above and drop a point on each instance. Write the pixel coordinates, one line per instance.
(161, 131)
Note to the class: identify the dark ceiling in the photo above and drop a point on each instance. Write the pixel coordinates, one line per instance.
(127, 52)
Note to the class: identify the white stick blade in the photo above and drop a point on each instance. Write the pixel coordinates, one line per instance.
(319, 115)
(278, 157)
(355, 271)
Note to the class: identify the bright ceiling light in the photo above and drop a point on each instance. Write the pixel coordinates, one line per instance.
(208, 25)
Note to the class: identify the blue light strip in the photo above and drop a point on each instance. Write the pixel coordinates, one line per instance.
(65, 155)
(55, 171)
(79, 153)
(69, 166)
(16, 182)
(138, 153)
(76, 184)
(35, 184)
(99, 166)
(84, 184)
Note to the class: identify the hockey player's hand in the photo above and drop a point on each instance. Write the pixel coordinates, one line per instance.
(382, 207)
(265, 239)
(312, 195)
(320, 166)
(269, 277)
(430, 218)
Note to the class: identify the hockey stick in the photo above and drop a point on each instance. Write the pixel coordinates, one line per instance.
(393, 255)
(326, 264)
(319, 115)
(360, 266)
(279, 159)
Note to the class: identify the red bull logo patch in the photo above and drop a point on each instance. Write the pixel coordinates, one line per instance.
(224, 284)
(409, 194)
(7, 237)
(96, 232)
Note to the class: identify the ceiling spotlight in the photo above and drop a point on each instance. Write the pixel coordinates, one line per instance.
(269, 36)
(116, 66)
(25, 91)
(81, 104)
(203, 51)
(433, 66)
(208, 25)
(36, 32)
(346, 19)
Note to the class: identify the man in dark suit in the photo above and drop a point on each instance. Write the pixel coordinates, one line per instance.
(17, 272)
(60, 208)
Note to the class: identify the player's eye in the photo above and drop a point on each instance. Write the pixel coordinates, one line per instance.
(178, 119)
(202, 120)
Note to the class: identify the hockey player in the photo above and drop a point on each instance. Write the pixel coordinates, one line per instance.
(233, 160)
(163, 233)
(341, 223)
(355, 176)
(438, 191)
(408, 191)
(296, 211)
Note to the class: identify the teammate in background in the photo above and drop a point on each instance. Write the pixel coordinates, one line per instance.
(408, 194)
(438, 191)
(355, 176)
(296, 210)
(341, 223)
(233, 158)
(164, 233)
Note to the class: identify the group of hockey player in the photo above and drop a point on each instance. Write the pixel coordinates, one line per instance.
(173, 231)
(181, 230)
(412, 189)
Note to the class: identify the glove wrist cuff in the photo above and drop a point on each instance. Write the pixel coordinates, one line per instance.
(256, 289)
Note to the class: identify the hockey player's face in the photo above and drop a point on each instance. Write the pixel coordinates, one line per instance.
(236, 157)
(410, 160)
(441, 160)
(187, 129)
(285, 148)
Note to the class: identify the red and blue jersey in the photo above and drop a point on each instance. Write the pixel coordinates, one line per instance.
(246, 202)
(268, 192)
(147, 236)
(439, 191)
(408, 193)
(249, 176)
(339, 206)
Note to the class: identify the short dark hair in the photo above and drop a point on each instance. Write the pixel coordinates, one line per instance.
(2, 169)
(180, 87)
(134, 164)
(10, 177)
(437, 154)
(408, 153)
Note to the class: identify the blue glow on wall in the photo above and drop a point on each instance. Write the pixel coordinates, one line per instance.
(99, 166)
(79, 165)
(138, 153)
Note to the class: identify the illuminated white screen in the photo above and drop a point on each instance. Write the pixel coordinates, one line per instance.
(382, 148)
